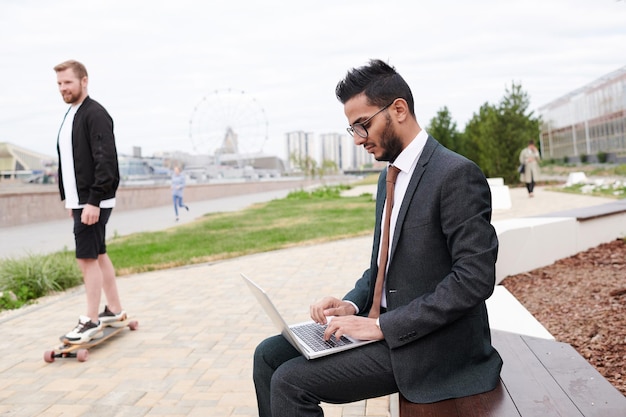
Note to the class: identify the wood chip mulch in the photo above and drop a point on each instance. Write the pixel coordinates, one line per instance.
(581, 300)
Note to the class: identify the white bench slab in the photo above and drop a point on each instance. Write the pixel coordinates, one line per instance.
(500, 194)
(533, 242)
(506, 313)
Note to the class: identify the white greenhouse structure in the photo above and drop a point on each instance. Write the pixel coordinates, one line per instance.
(588, 124)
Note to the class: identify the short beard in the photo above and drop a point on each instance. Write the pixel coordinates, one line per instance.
(71, 99)
(390, 142)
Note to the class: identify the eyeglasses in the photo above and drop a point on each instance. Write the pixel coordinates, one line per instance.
(359, 128)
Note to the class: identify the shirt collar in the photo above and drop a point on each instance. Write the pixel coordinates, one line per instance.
(407, 159)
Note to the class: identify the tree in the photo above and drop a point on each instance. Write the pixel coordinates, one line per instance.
(327, 167)
(494, 137)
(476, 137)
(443, 128)
(309, 166)
(518, 127)
(306, 164)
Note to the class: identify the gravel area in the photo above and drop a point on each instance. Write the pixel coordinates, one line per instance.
(581, 300)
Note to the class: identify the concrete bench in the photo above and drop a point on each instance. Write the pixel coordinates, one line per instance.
(540, 378)
(533, 242)
(507, 314)
(500, 194)
(594, 212)
(596, 224)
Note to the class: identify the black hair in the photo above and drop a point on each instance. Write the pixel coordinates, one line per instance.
(379, 81)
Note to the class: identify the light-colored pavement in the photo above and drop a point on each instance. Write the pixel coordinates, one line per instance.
(192, 354)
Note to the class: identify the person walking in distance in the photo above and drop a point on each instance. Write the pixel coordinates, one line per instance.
(88, 180)
(432, 266)
(178, 185)
(529, 158)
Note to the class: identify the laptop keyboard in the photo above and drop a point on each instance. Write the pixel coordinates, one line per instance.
(313, 335)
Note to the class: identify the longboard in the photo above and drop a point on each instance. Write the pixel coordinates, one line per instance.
(80, 351)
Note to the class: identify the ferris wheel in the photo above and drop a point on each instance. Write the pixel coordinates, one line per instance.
(228, 121)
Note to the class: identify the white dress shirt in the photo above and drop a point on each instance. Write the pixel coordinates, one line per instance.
(406, 162)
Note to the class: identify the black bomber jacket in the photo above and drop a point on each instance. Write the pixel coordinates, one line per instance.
(95, 155)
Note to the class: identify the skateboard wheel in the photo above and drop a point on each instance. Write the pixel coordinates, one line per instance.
(48, 356)
(133, 325)
(82, 355)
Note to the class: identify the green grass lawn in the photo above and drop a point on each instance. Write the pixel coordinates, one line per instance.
(262, 227)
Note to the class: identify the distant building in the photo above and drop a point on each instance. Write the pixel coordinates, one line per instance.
(334, 149)
(136, 170)
(17, 162)
(589, 123)
(230, 144)
(300, 145)
(363, 160)
(203, 167)
(331, 147)
(341, 150)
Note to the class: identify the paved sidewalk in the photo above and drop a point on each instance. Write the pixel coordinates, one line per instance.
(199, 325)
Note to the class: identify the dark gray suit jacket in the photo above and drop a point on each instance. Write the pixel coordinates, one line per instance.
(441, 271)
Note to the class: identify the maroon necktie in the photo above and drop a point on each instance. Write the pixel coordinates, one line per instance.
(392, 174)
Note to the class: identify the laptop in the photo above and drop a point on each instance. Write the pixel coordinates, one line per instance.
(306, 337)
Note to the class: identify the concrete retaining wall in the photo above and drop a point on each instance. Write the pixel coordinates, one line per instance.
(26, 206)
(533, 242)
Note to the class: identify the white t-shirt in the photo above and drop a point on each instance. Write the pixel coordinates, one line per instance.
(67, 164)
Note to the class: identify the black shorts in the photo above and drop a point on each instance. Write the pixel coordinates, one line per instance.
(90, 240)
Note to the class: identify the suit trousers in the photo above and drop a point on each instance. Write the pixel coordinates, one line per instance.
(289, 385)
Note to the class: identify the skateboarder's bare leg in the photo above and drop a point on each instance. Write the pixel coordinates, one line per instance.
(93, 279)
(109, 285)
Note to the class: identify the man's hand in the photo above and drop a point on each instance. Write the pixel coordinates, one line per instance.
(330, 306)
(90, 215)
(363, 328)
(341, 319)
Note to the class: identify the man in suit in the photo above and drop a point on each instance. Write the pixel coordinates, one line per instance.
(433, 333)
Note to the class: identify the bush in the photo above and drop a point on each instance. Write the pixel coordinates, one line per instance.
(321, 192)
(8, 301)
(35, 276)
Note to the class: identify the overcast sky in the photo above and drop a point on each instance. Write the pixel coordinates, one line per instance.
(161, 67)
